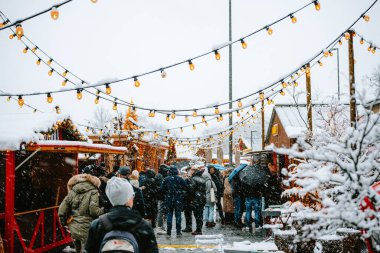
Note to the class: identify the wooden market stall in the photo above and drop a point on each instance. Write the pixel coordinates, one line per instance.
(38, 155)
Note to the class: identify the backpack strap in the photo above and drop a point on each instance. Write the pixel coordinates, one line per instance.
(105, 222)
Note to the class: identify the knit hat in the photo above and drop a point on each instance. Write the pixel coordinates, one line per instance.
(119, 191)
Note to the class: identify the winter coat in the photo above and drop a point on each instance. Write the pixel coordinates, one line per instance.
(218, 183)
(236, 187)
(142, 177)
(150, 193)
(209, 184)
(139, 202)
(81, 205)
(174, 190)
(134, 182)
(273, 190)
(228, 201)
(197, 191)
(125, 219)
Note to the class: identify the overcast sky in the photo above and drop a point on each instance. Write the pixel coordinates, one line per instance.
(118, 38)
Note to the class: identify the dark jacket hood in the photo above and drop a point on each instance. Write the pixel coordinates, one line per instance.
(163, 170)
(150, 174)
(173, 171)
(123, 217)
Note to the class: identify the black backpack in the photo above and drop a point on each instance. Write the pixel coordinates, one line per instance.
(117, 241)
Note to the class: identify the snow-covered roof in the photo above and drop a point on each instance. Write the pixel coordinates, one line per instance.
(80, 144)
(246, 142)
(18, 128)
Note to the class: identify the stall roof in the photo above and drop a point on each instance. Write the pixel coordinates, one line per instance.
(75, 147)
(18, 128)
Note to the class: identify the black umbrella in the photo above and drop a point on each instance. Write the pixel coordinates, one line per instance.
(253, 176)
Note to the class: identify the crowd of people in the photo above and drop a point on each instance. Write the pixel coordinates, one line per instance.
(142, 203)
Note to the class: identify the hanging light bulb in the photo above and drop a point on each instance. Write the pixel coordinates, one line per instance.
(243, 44)
(97, 100)
(191, 65)
(87, 129)
(307, 70)
(168, 131)
(153, 113)
(25, 50)
(8, 98)
(320, 63)
(238, 114)
(11, 36)
(20, 101)
(206, 123)
(108, 89)
(38, 62)
(217, 55)
(19, 31)
(374, 50)
(269, 30)
(293, 18)
(340, 42)
(49, 98)
(366, 18)
(216, 110)
(220, 117)
(302, 69)
(370, 48)
(240, 104)
(34, 49)
(137, 83)
(203, 119)
(269, 101)
(79, 94)
(173, 115)
(186, 118)
(284, 84)
(347, 35)
(181, 130)
(253, 108)
(194, 127)
(295, 84)
(325, 53)
(54, 13)
(114, 106)
(195, 113)
(261, 95)
(155, 135)
(49, 61)
(282, 92)
(50, 72)
(331, 53)
(167, 117)
(64, 74)
(163, 73)
(317, 5)
(94, 1)
(57, 109)
(362, 41)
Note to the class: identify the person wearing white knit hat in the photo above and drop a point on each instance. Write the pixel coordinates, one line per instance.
(120, 192)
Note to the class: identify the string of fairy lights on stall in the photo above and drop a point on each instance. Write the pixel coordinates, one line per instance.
(54, 13)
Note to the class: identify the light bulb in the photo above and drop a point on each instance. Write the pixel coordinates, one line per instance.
(163, 73)
(20, 101)
(137, 83)
(317, 5)
(57, 109)
(167, 117)
(50, 72)
(284, 84)
(340, 42)
(238, 114)
(25, 50)
(38, 62)
(240, 104)
(173, 115)
(220, 117)
(108, 89)
(94, 1)
(366, 18)
(293, 18)
(253, 108)
(269, 101)
(325, 53)
(374, 50)
(8, 98)
(168, 131)
(194, 127)
(370, 48)
(114, 106)
(282, 92)
(49, 98)
(362, 41)
(34, 49)
(54, 13)
(97, 100)
(320, 63)
(191, 65)
(11, 36)
(195, 113)
(153, 113)
(261, 95)
(295, 84)
(155, 135)
(79, 94)
(347, 36)
(181, 130)
(186, 118)
(64, 74)
(216, 110)
(217, 55)
(331, 53)
(203, 119)
(269, 30)
(49, 61)
(19, 31)
(307, 70)
(206, 123)
(243, 44)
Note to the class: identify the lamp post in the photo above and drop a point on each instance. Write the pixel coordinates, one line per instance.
(337, 61)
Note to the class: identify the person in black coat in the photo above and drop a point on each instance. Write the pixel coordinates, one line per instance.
(149, 190)
(197, 193)
(187, 209)
(138, 201)
(216, 178)
(174, 188)
(273, 189)
(163, 172)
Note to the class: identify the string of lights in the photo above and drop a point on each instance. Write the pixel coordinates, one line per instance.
(27, 105)
(195, 114)
(372, 46)
(191, 64)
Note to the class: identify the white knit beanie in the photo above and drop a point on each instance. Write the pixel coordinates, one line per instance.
(119, 191)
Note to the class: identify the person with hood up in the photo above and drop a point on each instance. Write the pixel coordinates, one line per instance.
(211, 191)
(163, 172)
(173, 188)
(80, 207)
(123, 218)
(149, 190)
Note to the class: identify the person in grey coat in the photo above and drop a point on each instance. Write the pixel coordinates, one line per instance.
(211, 190)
